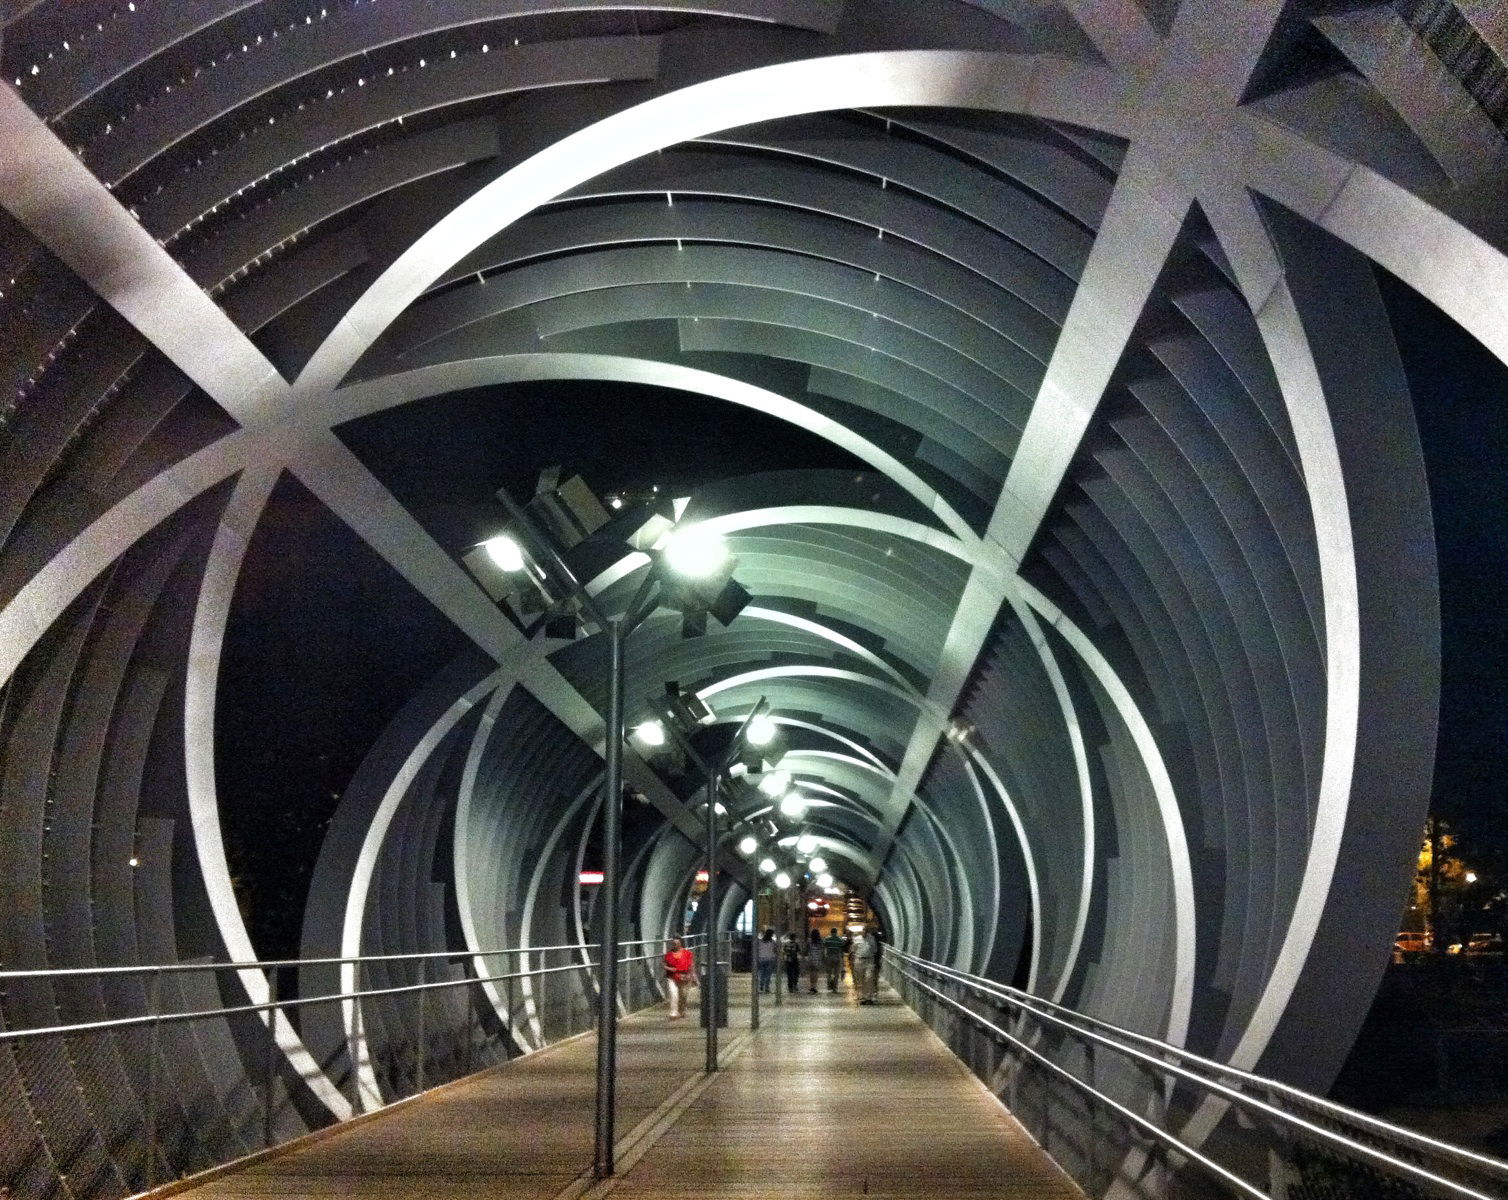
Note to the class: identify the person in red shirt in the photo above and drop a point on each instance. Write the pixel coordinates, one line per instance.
(678, 976)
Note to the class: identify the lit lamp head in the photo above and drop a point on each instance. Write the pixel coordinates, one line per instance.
(564, 514)
(509, 575)
(748, 846)
(782, 880)
(824, 881)
(775, 784)
(650, 733)
(696, 552)
(700, 579)
(793, 805)
(805, 844)
(506, 554)
(761, 730)
(766, 865)
(818, 865)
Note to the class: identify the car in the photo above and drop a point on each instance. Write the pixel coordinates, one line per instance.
(1485, 943)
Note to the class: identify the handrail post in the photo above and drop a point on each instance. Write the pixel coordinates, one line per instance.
(269, 1066)
(542, 995)
(512, 1011)
(358, 1036)
(422, 1044)
(471, 1012)
(154, 1010)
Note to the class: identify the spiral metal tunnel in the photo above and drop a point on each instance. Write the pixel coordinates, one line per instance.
(1106, 639)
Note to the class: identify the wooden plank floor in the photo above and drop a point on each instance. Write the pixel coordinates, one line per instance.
(829, 1100)
(524, 1129)
(832, 1100)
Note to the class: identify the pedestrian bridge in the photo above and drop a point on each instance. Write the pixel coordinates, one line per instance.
(973, 448)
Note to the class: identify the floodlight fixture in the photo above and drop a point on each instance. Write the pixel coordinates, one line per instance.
(569, 508)
(505, 553)
(766, 865)
(688, 709)
(793, 805)
(775, 783)
(782, 880)
(824, 881)
(805, 844)
(748, 846)
(651, 733)
(695, 551)
(819, 865)
(761, 731)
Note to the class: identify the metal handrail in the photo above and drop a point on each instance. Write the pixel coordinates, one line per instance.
(167, 1018)
(1459, 1154)
(1022, 1003)
(1150, 1127)
(264, 964)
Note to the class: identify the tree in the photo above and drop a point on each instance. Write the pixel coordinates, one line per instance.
(1454, 896)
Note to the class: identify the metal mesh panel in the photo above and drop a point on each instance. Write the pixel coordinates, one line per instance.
(95, 1113)
(1113, 1107)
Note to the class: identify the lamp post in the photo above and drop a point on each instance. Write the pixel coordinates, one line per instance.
(571, 508)
(714, 774)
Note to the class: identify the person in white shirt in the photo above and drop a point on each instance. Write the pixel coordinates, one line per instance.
(866, 966)
(764, 958)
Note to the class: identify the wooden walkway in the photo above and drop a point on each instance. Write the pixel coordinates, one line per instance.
(828, 1100)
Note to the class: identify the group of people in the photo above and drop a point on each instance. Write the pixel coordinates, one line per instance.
(818, 956)
(821, 955)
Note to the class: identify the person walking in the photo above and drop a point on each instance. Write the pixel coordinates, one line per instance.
(790, 951)
(832, 959)
(679, 975)
(813, 960)
(866, 966)
(764, 957)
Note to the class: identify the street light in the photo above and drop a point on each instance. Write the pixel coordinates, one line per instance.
(748, 846)
(525, 568)
(805, 844)
(686, 711)
(766, 865)
(651, 733)
(793, 805)
(818, 865)
(695, 551)
(505, 552)
(775, 783)
(762, 731)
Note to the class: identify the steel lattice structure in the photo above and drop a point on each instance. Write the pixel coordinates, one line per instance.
(1122, 647)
